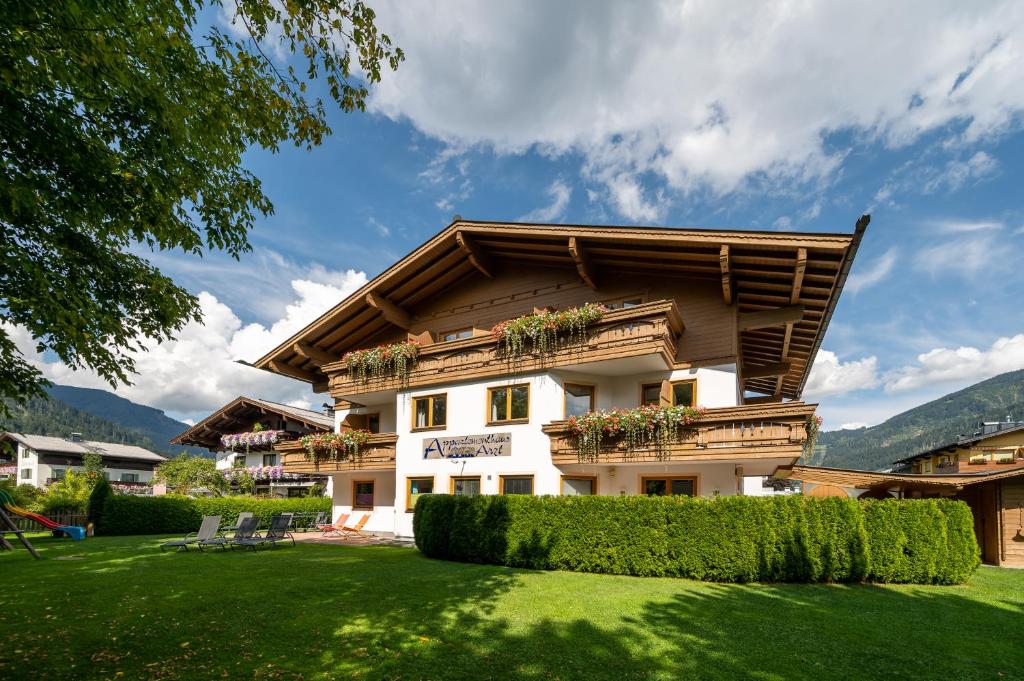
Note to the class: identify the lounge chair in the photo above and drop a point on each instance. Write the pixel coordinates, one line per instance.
(246, 534)
(322, 518)
(238, 521)
(207, 530)
(357, 529)
(278, 530)
(328, 530)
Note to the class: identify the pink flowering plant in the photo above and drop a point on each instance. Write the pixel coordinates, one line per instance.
(344, 446)
(256, 440)
(548, 331)
(384, 361)
(639, 427)
(262, 473)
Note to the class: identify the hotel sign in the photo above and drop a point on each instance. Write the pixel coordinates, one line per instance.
(468, 446)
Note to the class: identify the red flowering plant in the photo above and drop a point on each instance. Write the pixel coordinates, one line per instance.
(343, 446)
(546, 332)
(388, 360)
(649, 426)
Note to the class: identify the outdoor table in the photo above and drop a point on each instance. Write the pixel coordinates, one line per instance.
(303, 521)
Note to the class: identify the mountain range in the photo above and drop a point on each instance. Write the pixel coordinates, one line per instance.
(98, 415)
(921, 428)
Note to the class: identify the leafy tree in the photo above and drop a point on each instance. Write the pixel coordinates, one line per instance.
(68, 495)
(92, 467)
(101, 491)
(122, 125)
(186, 474)
(242, 482)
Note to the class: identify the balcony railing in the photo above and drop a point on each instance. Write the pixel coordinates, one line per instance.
(648, 329)
(378, 454)
(748, 432)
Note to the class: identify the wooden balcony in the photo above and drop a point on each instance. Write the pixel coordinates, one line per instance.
(377, 455)
(747, 432)
(648, 329)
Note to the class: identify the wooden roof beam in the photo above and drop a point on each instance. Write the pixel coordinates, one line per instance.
(583, 263)
(284, 369)
(765, 399)
(391, 312)
(723, 263)
(767, 318)
(314, 354)
(766, 371)
(798, 274)
(475, 254)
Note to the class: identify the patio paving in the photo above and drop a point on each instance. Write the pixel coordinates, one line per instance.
(374, 539)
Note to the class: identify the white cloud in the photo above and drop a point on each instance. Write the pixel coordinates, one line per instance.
(560, 193)
(383, 230)
(196, 372)
(856, 425)
(874, 273)
(956, 173)
(962, 366)
(965, 226)
(964, 257)
(702, 94)
(829, 376)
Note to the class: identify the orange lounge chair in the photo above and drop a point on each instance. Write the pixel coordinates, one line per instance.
(357, 529)
(336, 528)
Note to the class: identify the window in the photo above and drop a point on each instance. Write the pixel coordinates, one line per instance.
(26, 473)
(373, 423)
(650, 393)
(624, 303)
(25, 454)
(517, 484)
(362, 494)
(579, 486)
(415, 488)
(684, 393)
(239, 461)
(59, 473)
(659, 487)
(466, 486)
(129, 477)
(430, 411)
(456, 334)
(270, 459)
(579, 399)
(508, 403)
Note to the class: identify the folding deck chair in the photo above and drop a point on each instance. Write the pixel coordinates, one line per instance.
(208, 530)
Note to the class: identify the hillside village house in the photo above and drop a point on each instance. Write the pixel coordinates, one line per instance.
(41, 460)
(446, 401)
(985, 469)
(230, 433)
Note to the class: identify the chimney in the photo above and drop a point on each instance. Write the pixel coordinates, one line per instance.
(74, 437)
(328, 409)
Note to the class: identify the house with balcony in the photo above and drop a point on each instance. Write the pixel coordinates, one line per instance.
(41, 460)
(984, 469)
(504, 358)
(244, 434)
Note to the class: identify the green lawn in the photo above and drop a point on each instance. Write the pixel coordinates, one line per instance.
(118, 608)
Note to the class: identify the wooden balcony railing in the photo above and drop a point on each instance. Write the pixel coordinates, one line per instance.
(648, 329)
(378, 454)
(749, 432)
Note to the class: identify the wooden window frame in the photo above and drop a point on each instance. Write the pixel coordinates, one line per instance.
(644, 386)
(430, 413)
(622, 300)
(669, 479)
(373, 504)
(563, 478)
(680, 382)
(458, 330)
(235, 458)
(454, 478)
(408, 489)
(502, 478)
(508, 403)
(671, 390)
(565, 396)
(271, 454)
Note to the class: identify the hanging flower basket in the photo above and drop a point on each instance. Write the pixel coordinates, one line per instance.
(345, 446)
(546, 332)
(384, 361)
(254, 440)
(813, 427)
(640, 427)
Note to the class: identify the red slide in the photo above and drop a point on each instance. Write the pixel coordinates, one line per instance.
(73, 531)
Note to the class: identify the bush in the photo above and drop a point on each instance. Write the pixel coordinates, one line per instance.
(101, 491)
(173, 514)
(725, 539)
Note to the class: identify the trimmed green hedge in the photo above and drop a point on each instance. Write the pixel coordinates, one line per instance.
(726, 539)
(172, 514)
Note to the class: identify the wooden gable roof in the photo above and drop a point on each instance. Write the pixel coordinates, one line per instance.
(784, 284)
(240, 413)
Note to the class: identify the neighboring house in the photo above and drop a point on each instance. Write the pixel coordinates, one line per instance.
(278, 422)
(986, 470)
(41, 460)
(728, 320)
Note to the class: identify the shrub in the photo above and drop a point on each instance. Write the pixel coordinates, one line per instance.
(173, 514)
(101, 491)
(725, 539)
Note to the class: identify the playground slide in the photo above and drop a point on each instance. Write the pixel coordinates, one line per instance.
(73, 531)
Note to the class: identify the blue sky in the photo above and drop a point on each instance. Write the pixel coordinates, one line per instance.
(795, 118)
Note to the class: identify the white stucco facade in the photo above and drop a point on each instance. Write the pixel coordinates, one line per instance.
(529, 447)
(33, 470)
